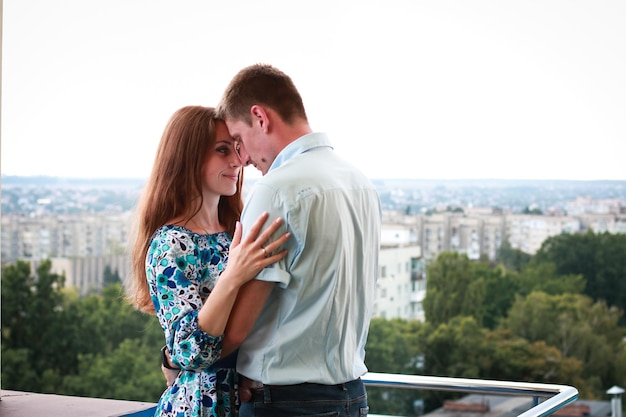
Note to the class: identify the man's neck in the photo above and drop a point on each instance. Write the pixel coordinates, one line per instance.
(287, 133)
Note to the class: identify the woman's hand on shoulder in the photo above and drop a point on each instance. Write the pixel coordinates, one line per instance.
(250, 254)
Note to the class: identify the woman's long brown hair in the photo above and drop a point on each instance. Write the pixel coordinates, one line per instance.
(174, 190)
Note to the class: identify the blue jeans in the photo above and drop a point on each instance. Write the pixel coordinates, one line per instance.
(342, 400)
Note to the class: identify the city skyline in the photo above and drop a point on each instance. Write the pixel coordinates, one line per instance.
(425, 90)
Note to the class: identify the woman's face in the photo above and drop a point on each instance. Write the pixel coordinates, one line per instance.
(222, 165)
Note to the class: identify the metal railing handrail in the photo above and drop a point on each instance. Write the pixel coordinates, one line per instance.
(558, 395)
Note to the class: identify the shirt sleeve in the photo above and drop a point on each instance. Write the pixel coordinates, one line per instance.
(263, 198)
(172, 271)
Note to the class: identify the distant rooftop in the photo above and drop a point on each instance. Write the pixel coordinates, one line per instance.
(508, 406)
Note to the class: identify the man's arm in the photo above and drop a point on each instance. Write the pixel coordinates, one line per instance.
(250, 301)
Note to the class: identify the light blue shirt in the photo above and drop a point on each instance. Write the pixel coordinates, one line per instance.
(315, 323)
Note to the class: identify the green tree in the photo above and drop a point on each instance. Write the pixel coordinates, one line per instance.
(17, 370)
(389, 347)
(599, 258)
(16, 296)
(513, 259)
(110, 277)
(532, 210)
(542, 276)
(578, 328)
(453, 289)
(392, 348)
(512, 358)
(453, 348)
(107, 319)
(35, 327)
(501, 286)
(48, 331)
(110, 332)
(130, 372)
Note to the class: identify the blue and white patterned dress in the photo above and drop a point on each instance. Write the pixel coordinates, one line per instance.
(182, 268)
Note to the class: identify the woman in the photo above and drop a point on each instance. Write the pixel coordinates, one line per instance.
(187, 221)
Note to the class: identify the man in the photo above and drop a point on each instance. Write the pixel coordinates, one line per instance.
(302, 324)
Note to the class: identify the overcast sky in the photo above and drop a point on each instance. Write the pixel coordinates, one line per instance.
(437, 89)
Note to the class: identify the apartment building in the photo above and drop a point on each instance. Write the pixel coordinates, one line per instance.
(79, 246)
(476, 236)
(601, 223)
(527, 232)
(86, 274)
(56, 236)
(401, 285)
(480, 235)
(587, 205)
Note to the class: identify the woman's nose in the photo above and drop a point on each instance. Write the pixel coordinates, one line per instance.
(236, 160)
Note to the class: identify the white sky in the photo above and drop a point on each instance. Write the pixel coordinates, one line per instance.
(532, 89)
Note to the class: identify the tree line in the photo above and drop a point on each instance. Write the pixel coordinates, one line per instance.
(554, 317)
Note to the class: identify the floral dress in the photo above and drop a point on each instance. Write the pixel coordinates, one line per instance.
(182, 268)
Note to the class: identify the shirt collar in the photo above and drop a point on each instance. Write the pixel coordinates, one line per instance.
(301, 145)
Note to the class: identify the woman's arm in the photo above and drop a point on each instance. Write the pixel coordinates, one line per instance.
(246, 259)
(250, 302)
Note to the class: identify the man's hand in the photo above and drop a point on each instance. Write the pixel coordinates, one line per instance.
(170, 375)
(245, 389)
(170, 372)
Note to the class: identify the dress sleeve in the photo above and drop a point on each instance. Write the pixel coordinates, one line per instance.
(172, 270)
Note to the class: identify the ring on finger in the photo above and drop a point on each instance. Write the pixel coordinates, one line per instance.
(264, 251)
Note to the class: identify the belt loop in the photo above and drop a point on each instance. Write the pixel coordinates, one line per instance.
(267, 397)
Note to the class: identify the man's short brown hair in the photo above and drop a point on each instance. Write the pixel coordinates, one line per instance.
(263, 85)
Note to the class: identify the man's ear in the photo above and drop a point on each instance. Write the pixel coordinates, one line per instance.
(260, 116)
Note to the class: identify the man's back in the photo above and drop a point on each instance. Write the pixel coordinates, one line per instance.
(314, 325)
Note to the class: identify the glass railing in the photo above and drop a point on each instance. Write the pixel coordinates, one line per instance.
(555, 396)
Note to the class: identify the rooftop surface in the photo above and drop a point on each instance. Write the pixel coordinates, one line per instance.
(27, 404)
